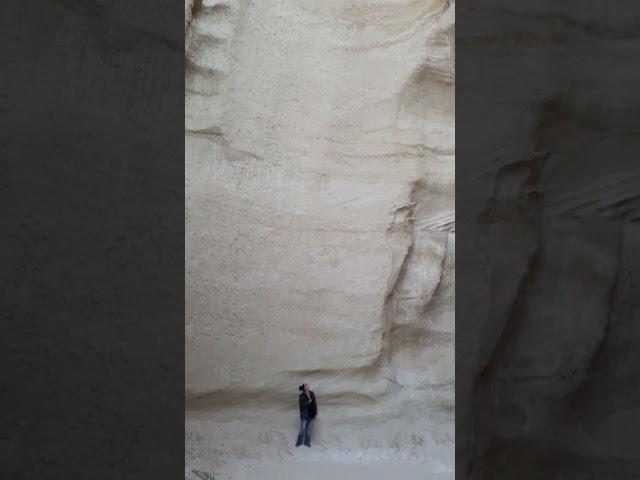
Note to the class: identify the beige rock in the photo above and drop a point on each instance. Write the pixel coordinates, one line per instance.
(320, 230)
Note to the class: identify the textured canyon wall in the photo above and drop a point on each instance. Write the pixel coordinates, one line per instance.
(320, 230)
(548, 367)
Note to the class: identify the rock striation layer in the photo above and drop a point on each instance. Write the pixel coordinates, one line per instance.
(320, 231)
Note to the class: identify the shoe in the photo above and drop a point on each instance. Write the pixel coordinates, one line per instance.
(307, 444)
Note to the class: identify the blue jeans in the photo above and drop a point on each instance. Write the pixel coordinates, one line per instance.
(304, 434)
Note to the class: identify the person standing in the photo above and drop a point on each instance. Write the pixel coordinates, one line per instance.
(308, 412)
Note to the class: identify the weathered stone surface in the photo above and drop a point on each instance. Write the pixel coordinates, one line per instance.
(320, 229)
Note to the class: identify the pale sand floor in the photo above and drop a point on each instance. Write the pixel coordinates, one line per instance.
(292, 469)
(258, 444)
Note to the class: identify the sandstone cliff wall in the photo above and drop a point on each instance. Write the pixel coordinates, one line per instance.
(320, 232)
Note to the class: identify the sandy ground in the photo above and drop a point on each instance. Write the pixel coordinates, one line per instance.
(319, 470)
(252, 444)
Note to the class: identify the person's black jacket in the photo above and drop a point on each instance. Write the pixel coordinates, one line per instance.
(308, 408)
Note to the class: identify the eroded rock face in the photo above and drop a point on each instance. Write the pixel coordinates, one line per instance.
(320, 227)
